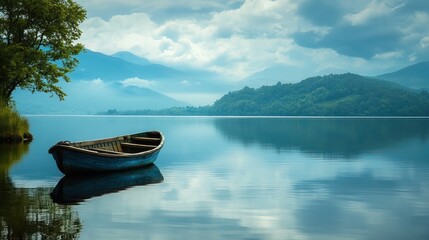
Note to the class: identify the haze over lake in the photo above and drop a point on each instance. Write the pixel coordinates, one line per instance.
(234, 178)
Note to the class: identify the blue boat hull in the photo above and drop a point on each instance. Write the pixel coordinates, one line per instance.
(111, 154)
(72, 162)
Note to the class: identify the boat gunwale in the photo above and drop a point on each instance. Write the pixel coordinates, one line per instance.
(111, 155)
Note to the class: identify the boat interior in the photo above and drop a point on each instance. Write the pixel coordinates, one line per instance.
(125, 144)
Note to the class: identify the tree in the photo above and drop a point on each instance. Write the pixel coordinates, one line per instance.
(38, 45)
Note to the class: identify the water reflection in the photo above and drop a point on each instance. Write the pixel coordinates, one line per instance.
(331, 137)
(10, 154)
(30, 213)
(75, 189)
(255, 179)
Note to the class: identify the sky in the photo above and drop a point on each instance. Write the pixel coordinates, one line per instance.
(237, 38)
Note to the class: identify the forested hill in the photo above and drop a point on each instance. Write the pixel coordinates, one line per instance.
(331, 95)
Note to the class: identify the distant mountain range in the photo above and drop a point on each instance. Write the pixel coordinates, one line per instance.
(120, 66)
(330, 95)
(129, 57)
(92, 97)
(285, 74)
(415, 76)
(124, 81)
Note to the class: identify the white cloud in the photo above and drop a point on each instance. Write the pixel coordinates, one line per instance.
(238, 40)
(389, 55)
(259, 37)
(120, 32)
(373, 10)
(137, 82)
(424, 42)
(94, 83)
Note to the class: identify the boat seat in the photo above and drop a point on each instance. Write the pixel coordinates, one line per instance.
(135, 145)
(104, 150)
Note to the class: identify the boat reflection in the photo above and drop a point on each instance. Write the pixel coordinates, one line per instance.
(76, 189)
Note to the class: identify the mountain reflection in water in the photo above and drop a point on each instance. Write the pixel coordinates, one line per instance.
(330, 137)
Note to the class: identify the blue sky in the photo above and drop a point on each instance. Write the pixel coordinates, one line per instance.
(240, 37)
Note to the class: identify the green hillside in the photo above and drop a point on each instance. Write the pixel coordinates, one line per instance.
(331, 95)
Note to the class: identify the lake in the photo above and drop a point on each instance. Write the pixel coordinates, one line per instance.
(227, 178)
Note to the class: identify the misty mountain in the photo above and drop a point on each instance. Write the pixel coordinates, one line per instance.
(101, 82)
(91, 97)
(415, 76)
(123, 81)
(197, 87)
(129, 57)
(284, 74)
(330, 95)
(95, 65)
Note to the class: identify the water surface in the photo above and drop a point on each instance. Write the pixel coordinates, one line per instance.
(228, 178)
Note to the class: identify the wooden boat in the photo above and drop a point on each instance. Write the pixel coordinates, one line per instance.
(73, 189)
(110, 154)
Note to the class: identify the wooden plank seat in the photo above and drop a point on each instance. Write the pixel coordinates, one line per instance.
(104, 151)
(135, 145)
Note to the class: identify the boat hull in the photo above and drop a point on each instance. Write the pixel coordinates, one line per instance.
(110, 154)
(72, 162)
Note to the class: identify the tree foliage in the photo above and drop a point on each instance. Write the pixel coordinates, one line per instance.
(38, 45)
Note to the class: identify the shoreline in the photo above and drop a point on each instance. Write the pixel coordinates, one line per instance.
(17, 138)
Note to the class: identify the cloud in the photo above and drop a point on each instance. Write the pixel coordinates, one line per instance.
(95, 83)
(198, 44)
(388, 55)
(424, 42)
(355, 41)
(373, 10)
(239, 38)
(160, 10)
(366, 30)
(137, 82)
(321, 12)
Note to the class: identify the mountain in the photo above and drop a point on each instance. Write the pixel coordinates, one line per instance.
(129, 57)
(415, 76)
(197, 87)
(330, 95)
(284, 74)
(272, 75)
(124, 81)
(95, 65)
(91, 97)
(101, 82)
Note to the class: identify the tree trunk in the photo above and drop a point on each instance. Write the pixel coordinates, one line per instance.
(6, 94)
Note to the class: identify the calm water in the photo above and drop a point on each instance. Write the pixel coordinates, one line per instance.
(227, 178)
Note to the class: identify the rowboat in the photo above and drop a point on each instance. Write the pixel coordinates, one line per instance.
(110, 154)
(73, 189)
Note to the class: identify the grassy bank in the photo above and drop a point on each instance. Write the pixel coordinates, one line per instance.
(13, 127)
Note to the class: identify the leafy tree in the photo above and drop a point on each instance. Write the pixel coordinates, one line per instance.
(38, 45)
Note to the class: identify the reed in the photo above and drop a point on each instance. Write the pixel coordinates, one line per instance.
(13, 127)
